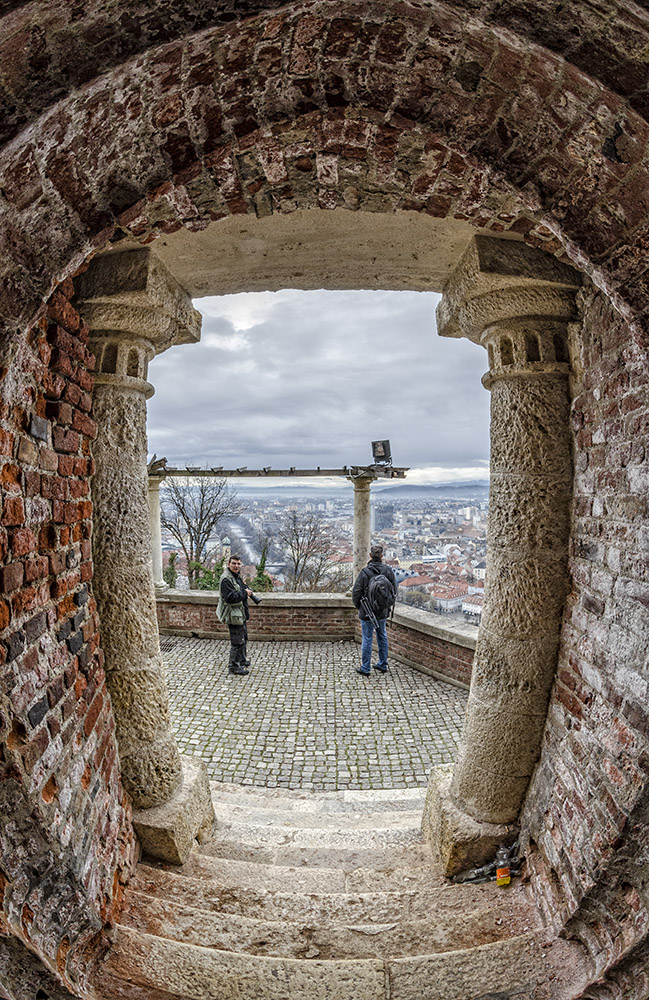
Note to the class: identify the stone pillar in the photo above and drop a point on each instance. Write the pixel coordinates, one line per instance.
(156, 535)
(135, 310)
(362, 486)
(516, 302)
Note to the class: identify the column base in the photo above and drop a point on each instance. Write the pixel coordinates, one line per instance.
(161, 588)
(169, 832)
(458, 841)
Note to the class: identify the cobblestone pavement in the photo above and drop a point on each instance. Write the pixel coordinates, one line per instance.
(304, 718)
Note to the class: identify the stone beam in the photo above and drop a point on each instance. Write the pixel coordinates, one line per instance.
(516, 302)
(135, 309)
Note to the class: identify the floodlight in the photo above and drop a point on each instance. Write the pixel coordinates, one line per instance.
(381, 452)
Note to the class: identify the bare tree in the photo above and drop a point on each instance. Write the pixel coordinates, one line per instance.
(310, 543)
(191, 509)
(261, 580)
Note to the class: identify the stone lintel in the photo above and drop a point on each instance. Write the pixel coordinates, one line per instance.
(458, 841)
(169, 831)
(132, 294)
(500, 280)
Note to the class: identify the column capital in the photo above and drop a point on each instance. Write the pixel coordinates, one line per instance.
(515, 301)
(132, 295)
(362, 482)
(135, 309)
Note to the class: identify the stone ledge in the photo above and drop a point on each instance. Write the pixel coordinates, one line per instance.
(211, 597)
(169, 831)
(457, 633)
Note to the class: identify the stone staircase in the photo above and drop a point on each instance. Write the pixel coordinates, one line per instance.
(326, 897)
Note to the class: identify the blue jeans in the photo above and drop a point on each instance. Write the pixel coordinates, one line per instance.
(368, 629)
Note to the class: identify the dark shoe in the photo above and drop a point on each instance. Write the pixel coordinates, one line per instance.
(381, 670)
(246, 663)
(239, 671)
(363, 673)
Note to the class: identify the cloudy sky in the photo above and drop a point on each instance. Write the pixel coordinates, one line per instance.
(309, 379)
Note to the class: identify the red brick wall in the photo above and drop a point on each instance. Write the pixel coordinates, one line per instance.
(69, 844)
(444, 649)
(588, 807)
(396, 107)
(424, 641)
(318, 617)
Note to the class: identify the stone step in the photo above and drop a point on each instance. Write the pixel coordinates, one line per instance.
(511, 967)
(288, 939)
(293, 800)
(348, 836)
(301, 899)
(236, 814)
(335, 878)
(294, 855)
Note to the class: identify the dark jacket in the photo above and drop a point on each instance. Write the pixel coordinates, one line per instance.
(233, 603)
(359, 590)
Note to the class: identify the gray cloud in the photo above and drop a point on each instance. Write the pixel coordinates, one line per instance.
(310, 378)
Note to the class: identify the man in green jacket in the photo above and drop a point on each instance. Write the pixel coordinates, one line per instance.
(233, 611)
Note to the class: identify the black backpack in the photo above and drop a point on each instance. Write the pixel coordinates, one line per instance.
(380, 595)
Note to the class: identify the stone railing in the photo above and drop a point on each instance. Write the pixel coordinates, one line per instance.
(424, 641)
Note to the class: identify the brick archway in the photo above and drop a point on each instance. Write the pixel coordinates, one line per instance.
(377, 109)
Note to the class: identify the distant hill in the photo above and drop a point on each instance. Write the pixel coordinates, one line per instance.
(440, 491)
(478, 490)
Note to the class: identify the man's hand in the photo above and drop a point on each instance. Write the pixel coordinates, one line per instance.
(248, 591)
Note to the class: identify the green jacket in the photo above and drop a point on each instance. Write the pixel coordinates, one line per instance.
(231, 612)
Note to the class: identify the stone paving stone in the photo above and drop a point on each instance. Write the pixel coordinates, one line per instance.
(304, 718)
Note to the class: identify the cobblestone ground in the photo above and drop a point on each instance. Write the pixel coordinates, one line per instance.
(304, 718)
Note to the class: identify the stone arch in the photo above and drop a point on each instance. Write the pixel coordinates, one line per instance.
(166, 141)
(495, 117)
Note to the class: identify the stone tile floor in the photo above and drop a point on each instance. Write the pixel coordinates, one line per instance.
(304, 718)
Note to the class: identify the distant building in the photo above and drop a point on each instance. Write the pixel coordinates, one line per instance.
(384, 516)
(472, 606)
(480, 569)
(448, 599)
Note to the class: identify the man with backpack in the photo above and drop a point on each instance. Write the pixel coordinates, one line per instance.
(374, 594)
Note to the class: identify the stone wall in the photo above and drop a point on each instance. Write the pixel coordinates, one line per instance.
(68, 846)
(588, 805)
(426, 642)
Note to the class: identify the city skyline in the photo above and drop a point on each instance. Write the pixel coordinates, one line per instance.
(309, 379)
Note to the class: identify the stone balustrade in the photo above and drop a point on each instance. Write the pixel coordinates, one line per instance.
(424, 641)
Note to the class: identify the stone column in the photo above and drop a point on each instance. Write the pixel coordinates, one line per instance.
(362, 486)
(135, 309)
(516, 302)
(156, 535)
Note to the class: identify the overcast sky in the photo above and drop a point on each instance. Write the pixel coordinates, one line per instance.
(309, 379)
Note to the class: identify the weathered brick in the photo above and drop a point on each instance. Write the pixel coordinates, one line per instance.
(37, 712)
(65, 440)
(36, 626)
(11, 576)
(28, 452)
(75, 642)
(13, 511)
(15, 645)
(39, 428)
(84, 424)
(23, 541)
